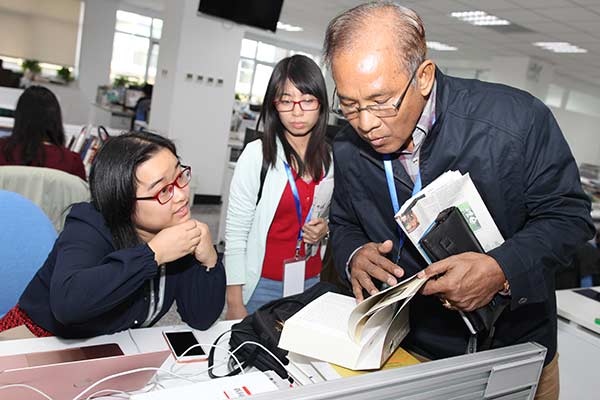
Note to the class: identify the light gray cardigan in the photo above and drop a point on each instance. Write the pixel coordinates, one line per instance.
(247, 224)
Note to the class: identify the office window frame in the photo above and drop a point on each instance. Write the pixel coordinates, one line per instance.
(154, 35)
(257, 60)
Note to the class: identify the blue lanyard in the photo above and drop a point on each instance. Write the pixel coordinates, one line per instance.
(389, 175)
(294, 188)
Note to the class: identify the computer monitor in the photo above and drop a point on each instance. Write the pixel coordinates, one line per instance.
(250, 136)
(132, 96)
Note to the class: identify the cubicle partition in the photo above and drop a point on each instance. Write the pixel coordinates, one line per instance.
(509, 373)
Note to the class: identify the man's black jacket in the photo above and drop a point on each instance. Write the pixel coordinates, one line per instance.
(511, 145)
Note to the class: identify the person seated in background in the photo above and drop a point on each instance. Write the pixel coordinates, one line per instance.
(125, 257)
(142, 106)
(260, 236)
(38, 136)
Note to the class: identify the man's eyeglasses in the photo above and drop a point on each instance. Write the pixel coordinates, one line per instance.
(288, 105)
(166, 193)
(378, 110)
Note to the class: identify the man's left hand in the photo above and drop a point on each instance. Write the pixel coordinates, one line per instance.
(467, 281)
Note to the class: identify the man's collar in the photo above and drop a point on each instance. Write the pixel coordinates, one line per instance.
(428, 115)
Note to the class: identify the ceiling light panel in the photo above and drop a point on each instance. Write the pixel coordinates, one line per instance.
(287, 27)
(440, 46)
(479, 18)
(560, 47)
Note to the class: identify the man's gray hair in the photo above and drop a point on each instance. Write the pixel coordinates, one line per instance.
(407, 27)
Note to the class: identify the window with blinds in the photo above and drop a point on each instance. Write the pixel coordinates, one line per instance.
(41, 30)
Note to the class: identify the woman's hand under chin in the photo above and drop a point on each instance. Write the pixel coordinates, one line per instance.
(205, 251)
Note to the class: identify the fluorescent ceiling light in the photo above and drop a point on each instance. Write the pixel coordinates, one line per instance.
(287, 27)
(560, 47)
(440, 46)
(480, 18)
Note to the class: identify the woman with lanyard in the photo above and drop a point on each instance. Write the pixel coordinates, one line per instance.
(124, 258)
(269, 221)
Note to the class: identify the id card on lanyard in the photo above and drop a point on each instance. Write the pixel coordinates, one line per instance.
(294, 268)
(389, 175)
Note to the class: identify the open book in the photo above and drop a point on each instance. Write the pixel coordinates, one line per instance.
(335, 329)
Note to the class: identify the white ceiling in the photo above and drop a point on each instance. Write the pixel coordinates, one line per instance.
(574, 21)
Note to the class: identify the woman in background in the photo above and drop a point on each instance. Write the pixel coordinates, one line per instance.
(263, 233)
(38, 137)
(123, 259)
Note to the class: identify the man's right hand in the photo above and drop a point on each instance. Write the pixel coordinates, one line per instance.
(370, 262)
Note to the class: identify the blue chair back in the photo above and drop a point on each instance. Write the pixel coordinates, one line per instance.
(26, 238)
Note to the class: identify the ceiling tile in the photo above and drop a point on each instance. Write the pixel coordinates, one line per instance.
(488, 5)
(553, 27)
(444, 7)
(521, 16)
(541, 3)
(573, 13)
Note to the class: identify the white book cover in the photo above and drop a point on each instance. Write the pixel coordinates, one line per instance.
(335, 329)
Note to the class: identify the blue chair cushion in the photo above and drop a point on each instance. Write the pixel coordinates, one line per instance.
(26, 238)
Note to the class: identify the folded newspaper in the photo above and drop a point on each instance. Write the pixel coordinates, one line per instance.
(320, 209)
(451, 188)
(335, 329)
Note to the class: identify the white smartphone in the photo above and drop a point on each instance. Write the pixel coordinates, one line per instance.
(180, 341)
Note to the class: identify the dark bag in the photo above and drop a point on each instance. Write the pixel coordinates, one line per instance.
(449, 235)
(264, 326)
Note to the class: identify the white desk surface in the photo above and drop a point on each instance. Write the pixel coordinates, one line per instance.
(578, 308)
(144, 340)
(578, 345)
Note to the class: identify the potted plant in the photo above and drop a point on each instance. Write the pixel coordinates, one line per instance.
(31, 68)
(121, 81)
(64, 74)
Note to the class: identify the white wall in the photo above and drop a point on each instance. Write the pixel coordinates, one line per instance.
(580, 128)
(196, 115)
(96, 45)
(582, 133)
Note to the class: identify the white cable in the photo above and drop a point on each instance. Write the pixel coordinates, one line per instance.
(133, 340)
(231, 353)
(22, 385)
(133, 371)
(117, 392)
(112, 393)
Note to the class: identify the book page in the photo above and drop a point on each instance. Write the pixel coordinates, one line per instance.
(333, 317)
(366, 310)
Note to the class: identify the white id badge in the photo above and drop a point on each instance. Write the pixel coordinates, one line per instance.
(293, 275)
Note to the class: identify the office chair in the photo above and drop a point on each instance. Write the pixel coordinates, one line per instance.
(26, 238)
(50, 189)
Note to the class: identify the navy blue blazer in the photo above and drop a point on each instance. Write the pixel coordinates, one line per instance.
(87, 288)
(520, 163)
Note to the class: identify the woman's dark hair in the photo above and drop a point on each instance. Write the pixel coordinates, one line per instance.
(113, 183)
(306, 76)
(38, 119)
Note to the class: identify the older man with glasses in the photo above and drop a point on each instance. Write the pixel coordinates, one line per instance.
(408, 119)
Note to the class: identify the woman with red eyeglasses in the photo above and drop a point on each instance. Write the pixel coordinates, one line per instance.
(125, 257)
(270, 221)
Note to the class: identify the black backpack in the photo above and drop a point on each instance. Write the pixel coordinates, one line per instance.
(264, 326)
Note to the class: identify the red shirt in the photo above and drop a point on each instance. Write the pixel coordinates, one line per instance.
(57, 157)
(283, 233)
